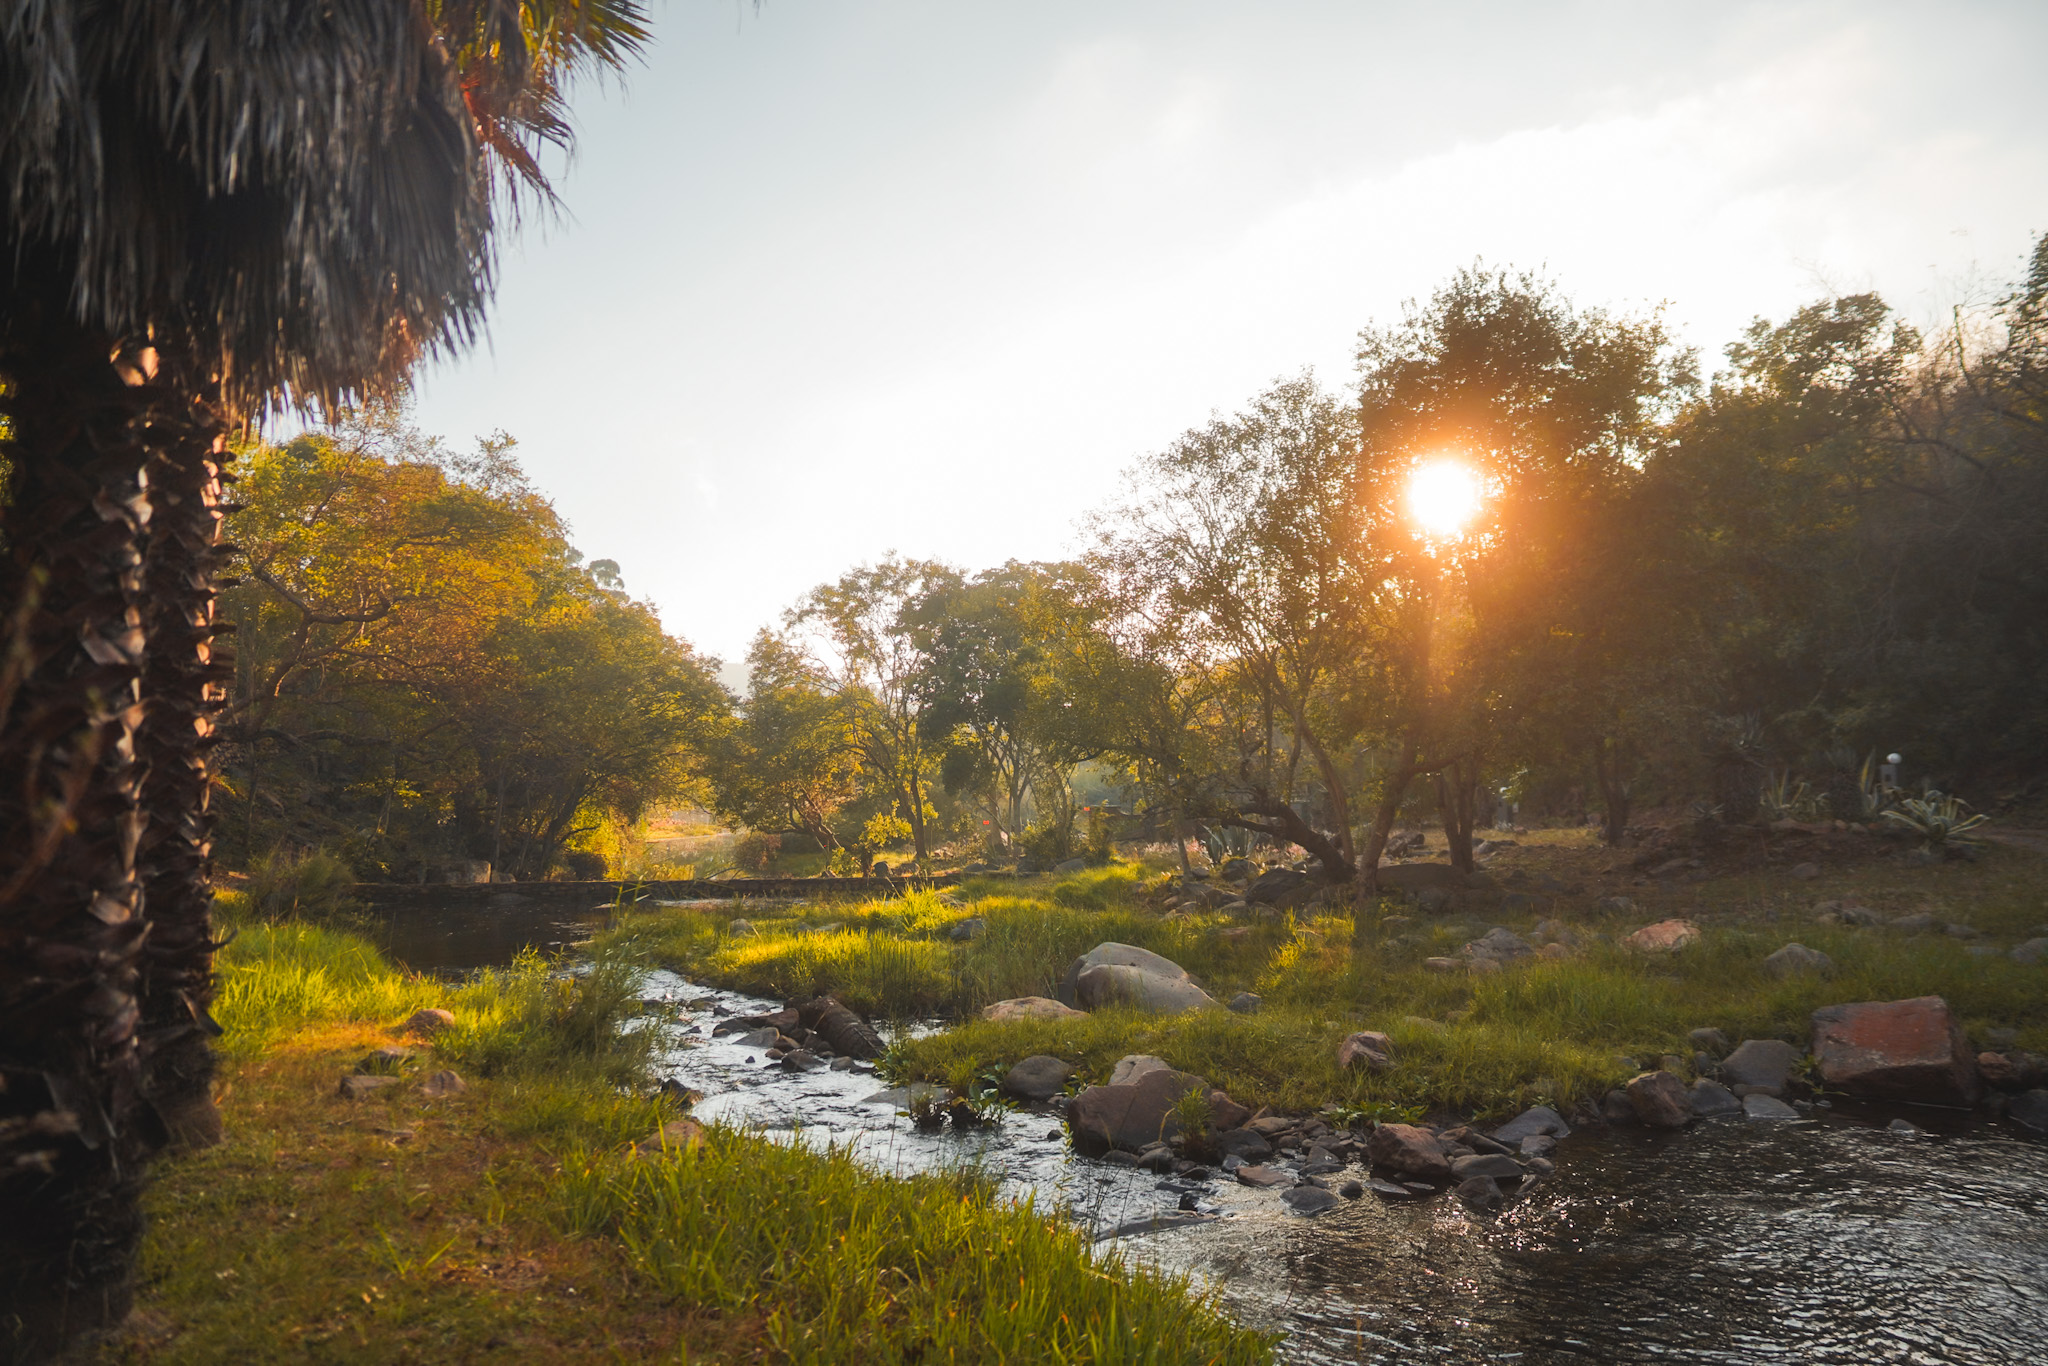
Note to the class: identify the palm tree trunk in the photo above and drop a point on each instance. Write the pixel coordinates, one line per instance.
(72, 1135)
(185, 684)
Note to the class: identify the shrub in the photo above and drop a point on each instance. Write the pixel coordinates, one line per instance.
(294, 884)
(754, 851)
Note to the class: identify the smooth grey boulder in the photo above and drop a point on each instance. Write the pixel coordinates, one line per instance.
(1761, 1064)
(1245, 1003)
(1660, 1100)
(1274, 884)
(1130, 1117)
(1539, 1119)
(1794, 959)
(1407, 1148)
(1495, 1165)
(1113, 984)
(1309, 1199)
(971, 928)
(1481, 1193)
(1039, 1077)
(1244, 1143)
(1123, 955)
(1760, 1106)
(1711, 1100)
(1708, 1041)
(2032, 951)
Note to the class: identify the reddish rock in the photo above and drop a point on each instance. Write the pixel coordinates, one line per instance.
(1896, 1050)
(1666, 936)
(1266, 1178)
(1225, 1113)
(1660, 1100)
(1129, 1117)
(432, 1020)
(1408, 1148)
(1030, 1008)
(1369, 1049)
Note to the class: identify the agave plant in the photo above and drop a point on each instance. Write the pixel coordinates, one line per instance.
(1227, 843)
(214, 208)
(1938, 818)
(1787, 798)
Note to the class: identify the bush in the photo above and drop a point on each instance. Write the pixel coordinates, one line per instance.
(755, 851)
(295, 884)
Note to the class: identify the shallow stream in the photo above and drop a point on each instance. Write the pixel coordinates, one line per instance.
(1827, 1240)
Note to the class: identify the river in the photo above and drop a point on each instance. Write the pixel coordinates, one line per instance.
(1830, 1240)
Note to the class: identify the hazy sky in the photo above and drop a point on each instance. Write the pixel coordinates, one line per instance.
(847, 276)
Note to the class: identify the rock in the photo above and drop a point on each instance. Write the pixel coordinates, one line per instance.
(1796, 959)
(842, 1064)
(1495, 1165)
(1113, 984)
(1119, 955)
(1904, 1126)
(1030, 1008)
(1245, 1144)
(384, 1061)
(355, 1088)
(1407, 1148)
(1540, 1119)
(1615, 1107)
(1760, 1106)
(1541, 1166)
(740, 927)
(1481, 1193)
(1660, 1100)
(1156, 1223)
(1394, 1190)
(1275, 884)
(1805, 872)
(1368, 1049)
(1039, 1077)
(1072, 865)
(1913, 924)
(759, 1038)
(1708, 1040)
(1910, 1050)
(676, 1136)
(1666, 936)
(433, 1020)
(1225, 1113)
(846, 1032)
(1244, 1003)
(1351, 1190)
(963, 930)
(445, 1082)
(2029, 1109)
(1444, 964)
(1538, 1145)
(1132, 1116)
(1711, 1100)
(1310, 1200)
(1265, 1178)
(1132, 1066)
(1761, 1065)
(2032, 951)
(1500, 944)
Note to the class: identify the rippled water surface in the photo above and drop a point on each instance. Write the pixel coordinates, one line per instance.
(1835, 1241)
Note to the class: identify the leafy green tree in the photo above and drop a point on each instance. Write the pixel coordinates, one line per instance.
(790, 758)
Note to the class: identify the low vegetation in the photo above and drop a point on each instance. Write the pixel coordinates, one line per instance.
(1548, 1030)
(519, 1219)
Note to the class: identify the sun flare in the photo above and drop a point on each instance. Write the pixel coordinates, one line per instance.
(1442, 497)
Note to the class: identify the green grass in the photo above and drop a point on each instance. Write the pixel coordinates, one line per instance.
(1550, 1030)
(844, 1267)
(517, 1220)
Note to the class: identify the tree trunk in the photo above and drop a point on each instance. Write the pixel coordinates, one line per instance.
(1457, 801)
(184, 683)
(1615, 788)
(72, 1134)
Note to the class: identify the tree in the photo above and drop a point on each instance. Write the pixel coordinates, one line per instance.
(1246, 529)
(212, 208)
(790, 758)
(860, 624)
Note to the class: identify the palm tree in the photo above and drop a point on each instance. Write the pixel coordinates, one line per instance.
(216, 209)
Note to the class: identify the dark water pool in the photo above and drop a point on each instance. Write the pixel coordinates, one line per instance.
(449, 941)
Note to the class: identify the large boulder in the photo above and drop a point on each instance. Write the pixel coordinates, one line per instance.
(1538, 1119)
(1113, 984)
(849, 1035)
(1795, 959)
(1408, 1148)
(1660, 1100)
(1131, 1066)
(1764, 1065)
(1030, 1008)
(1275, 884)
(1130, 1117)
(1500, 944)
(1118, 955)
(1896, 1050)
(1040, 1078)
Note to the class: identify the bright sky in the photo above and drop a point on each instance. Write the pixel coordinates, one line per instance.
(848, 276)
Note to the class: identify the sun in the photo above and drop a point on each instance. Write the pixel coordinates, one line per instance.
(1442, 497)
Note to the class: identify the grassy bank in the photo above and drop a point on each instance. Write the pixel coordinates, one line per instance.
(517, 1220)
(1553, 1031)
